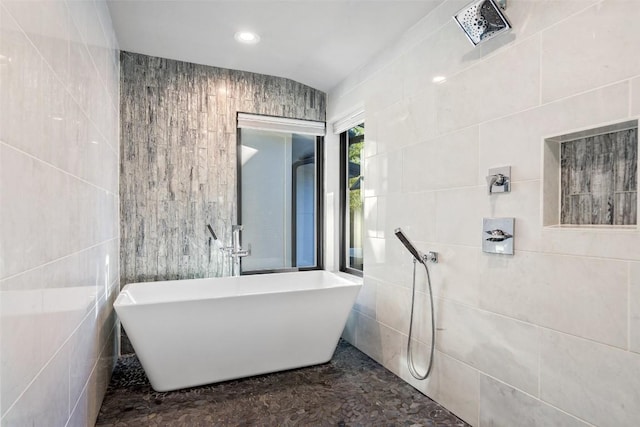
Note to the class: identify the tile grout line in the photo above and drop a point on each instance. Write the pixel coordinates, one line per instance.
(539, 399)
(51, 165)
(57, 77)
(13, 276)
(513, 114)
(55, 353)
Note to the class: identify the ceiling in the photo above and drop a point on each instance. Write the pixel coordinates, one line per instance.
(314, 42)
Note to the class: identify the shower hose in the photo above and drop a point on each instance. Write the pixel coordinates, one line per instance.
(410, 364)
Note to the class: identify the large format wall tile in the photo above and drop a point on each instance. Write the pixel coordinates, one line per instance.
(566, 66)
(634, 307)
(398, 131)
(517, 140)
(366, 299)
(459, 213)
(504, 348)
(588, 50)
(373, 227)
(458, 217)
(422, 114)
(47, 213)
(64, 293)
(581, 296)
(635, 97)
(602, 243)
(178, 159)
(393, 306)
(384, 88)
(530, 17)
(482, 92)
(46, 400)
(384, 173)
(594, 381)
(455, 276)
(443, 162)
(452, 383)
(59, 268)
(379, 342)
(406, 210)
(504, 406)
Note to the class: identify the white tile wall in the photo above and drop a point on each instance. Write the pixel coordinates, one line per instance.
(593, 45)
(442, 162)
(540, 288)
(59, 272)
(422, 121)
(502, 347)
(503, 405)
(634, 307)
(594, 381)
(481, 92)
(392, 304)
(550, 336)
(516, 139)
(455, 277)
(635, 97)
(453, 383)
(405, 210)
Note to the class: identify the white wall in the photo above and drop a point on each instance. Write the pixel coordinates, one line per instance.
(59, 94)
(551, 335)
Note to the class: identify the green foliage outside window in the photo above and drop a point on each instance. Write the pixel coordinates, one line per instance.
(356, 143)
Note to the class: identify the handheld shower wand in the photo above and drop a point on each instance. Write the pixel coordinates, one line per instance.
(407, 244)
(419, 256)
(422, 259)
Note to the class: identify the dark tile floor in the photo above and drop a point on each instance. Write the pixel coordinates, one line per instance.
(351, 390)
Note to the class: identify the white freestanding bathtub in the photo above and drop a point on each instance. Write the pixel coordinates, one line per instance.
(193, 332)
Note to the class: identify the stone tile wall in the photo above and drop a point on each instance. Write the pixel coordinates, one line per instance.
(178, 159)
(599, 179)
(59, 222)
(550, 335)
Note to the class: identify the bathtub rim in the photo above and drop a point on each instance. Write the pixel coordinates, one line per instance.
(126, 299)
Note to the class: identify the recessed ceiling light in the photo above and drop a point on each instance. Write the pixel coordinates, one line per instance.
(247, 37)
(439, 79)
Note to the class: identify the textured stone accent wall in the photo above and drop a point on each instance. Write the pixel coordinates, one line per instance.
(178, 159)
(599, 179)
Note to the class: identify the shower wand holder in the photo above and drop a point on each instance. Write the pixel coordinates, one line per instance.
(430, 257)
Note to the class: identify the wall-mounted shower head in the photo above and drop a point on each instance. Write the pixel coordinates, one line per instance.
(482, 20)
(407, 244)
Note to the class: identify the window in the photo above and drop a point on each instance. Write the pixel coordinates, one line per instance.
(352, 200)
(280, 193)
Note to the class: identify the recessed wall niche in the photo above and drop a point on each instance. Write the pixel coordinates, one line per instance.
(591, 177)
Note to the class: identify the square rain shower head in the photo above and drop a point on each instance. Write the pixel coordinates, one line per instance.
(482, 20)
